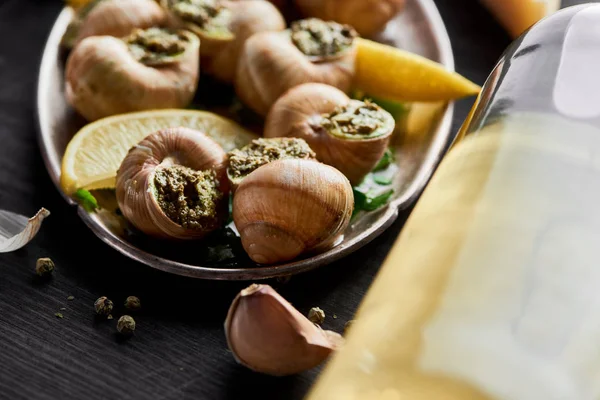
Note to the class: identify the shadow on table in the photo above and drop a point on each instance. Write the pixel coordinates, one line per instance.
(242, 383)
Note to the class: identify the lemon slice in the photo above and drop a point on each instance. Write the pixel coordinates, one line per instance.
(395, 74)
(95, 153)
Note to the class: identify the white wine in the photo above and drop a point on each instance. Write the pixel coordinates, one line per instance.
(492, 291)
(498, 275)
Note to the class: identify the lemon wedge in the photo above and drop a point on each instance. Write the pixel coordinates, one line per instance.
(95, 153)
(395, 74)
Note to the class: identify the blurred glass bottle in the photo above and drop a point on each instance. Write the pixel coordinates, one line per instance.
(518, 15)
(492, 290)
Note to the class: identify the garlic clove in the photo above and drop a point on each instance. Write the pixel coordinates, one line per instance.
(133, 85)
(16, 230)
(118, 18)
(307, 112)
(267, 334)
(269, 54)
(165, 168)
(368, 17)
(290, 207)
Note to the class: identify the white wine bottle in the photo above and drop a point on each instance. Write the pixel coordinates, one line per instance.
(518, 15)
(492, 290)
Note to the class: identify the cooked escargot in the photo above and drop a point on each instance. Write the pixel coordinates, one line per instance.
(173, 185)
(289, 207)
(350, 135)
(263, 151)
(311, 51)
(113, 18)
(368, 17)
(150, 69)
(223, 27)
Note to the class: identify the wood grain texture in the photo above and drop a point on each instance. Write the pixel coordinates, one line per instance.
(179, 349)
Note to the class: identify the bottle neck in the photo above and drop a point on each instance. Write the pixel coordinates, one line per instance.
(550, 70)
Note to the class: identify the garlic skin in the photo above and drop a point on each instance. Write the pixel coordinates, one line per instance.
(135, 180)
(270, 64)
(220, 52)
(267, 334)
(290, 207)
(119, 17)
(104, 78)
(298, 114)
(368, 17)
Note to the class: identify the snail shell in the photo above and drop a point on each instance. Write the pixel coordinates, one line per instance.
(220, 52)
(248, 18)
(119, 17)
(284, 6)
(299, 113)
(136, 185)
(290, 207)
(368, 17)
(104, 78)
(271, 64)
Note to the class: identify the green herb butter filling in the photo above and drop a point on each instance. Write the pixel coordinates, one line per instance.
(315, 37)
(188, 197)
(263, 151)
(155, 45)
(358, 120)
(209, 15)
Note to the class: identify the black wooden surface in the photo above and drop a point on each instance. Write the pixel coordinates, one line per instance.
(179, 349)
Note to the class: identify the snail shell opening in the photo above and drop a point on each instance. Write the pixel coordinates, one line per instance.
(181, 149)
(321, 114)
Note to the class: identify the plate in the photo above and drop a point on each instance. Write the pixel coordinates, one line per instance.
(426, 134)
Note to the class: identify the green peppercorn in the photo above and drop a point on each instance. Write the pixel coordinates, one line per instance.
(132, 303)
(103, 306)
(44, 267)
(126, 325)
